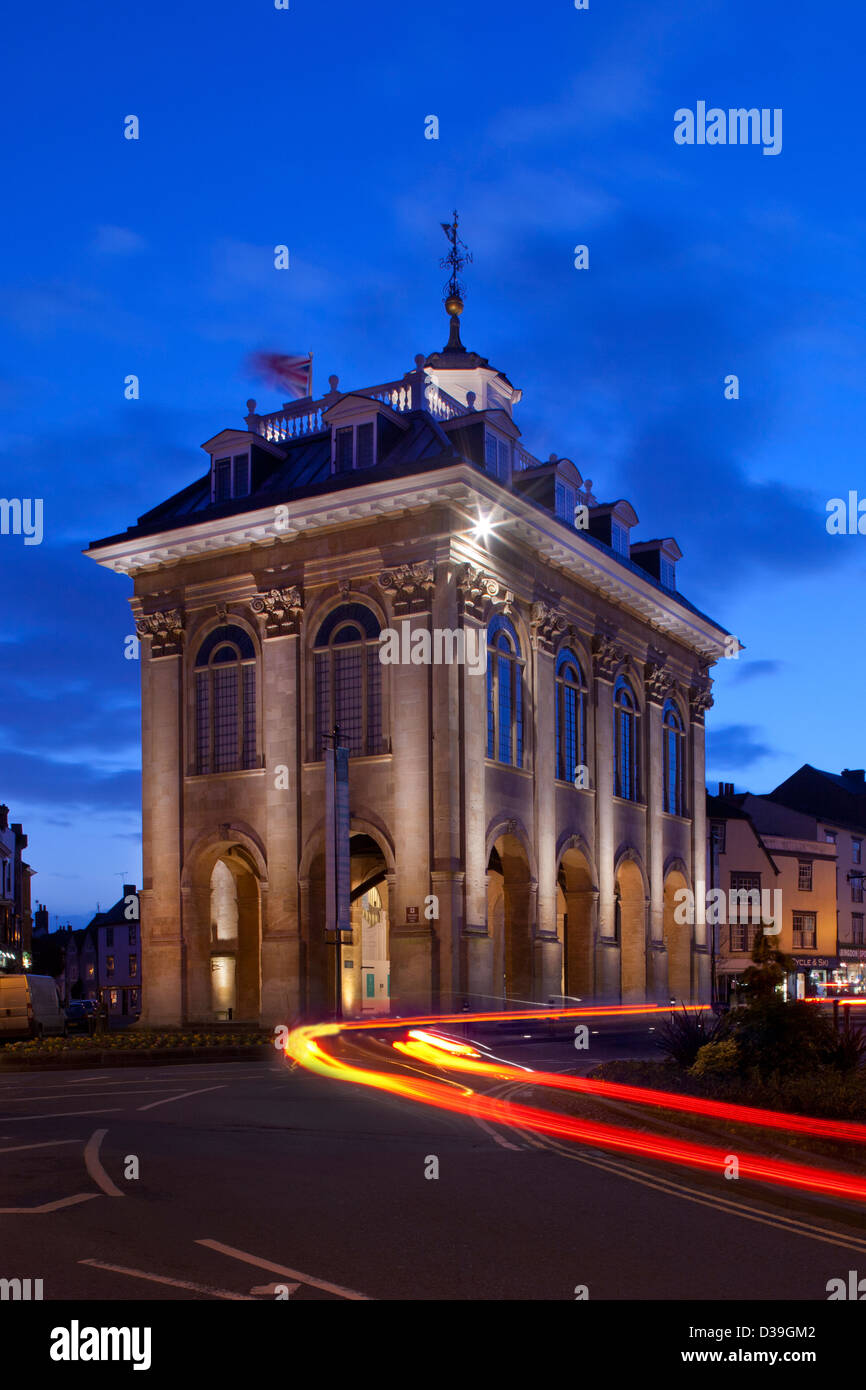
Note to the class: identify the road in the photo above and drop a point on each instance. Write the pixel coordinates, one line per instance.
(253, 1175)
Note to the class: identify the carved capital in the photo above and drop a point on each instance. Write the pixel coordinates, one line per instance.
(546, 625)
(700, 698)
(480, 595)
(409, 586)
(280, 610)
(165, 630)
(607, 656)
(657, 681)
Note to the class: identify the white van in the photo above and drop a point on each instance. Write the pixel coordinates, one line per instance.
(30, 1007)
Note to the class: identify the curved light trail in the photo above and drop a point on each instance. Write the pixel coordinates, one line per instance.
(307, 1048)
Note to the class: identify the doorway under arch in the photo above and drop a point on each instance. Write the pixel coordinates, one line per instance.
(678, 941)
(235, 938)
(631, 931)
(575, 899)
(509, 909)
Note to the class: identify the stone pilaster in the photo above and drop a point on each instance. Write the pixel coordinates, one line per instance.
(658, 684)
(162, 750)
(607, 658)
(448, 876)
(546, 626)
(700, 700)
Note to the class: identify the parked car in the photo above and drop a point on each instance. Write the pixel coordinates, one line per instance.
(30, 1007)
(79, 1017)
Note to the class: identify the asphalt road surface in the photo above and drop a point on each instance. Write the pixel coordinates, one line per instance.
(253, 1178)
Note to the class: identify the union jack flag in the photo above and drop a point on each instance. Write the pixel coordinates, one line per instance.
(291, 372)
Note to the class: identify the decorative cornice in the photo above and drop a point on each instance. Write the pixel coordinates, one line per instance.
(480, 595)
(607, 656)
(165, 630)
(279, 610)
(409, 586)
(546, 625)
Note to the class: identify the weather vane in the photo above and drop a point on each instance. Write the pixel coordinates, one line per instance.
(456, 259)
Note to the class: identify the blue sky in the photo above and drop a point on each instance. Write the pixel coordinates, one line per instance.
(306, 127)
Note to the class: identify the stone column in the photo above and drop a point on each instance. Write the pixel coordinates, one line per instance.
(413, 937)
(477, 945)
(658, 685)
(448, 877)
(545, 626)
(279, 612)
(162, 755)
(607, 657)
(700, 700)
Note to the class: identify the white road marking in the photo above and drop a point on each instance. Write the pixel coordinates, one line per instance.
(47, 1144)
(183, 1095)
(62, 1095)
(59, 1115)
(94, 1166)
(273, 1268)
(174, 1283)
(49, 1206)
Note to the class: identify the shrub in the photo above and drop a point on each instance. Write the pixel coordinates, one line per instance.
(685, 1033)
(717, 1058)
(775, 1035)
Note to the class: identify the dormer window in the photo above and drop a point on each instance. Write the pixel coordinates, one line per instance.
(354, 447)
(619, 538)
(565, 502)
(231, 477)
(497, 456)
(668, 575)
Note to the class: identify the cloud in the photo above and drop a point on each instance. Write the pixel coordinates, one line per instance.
(117, 241)
(754, 670)
(736, 746)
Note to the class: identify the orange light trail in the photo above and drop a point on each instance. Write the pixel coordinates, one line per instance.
(304, 1047)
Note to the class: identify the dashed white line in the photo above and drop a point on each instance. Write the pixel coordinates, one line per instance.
(273, 1268)
(173, 1283)
(183, 1095)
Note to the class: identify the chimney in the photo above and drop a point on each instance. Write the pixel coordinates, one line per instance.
(4, 817)
(129, 890)
(855, 774)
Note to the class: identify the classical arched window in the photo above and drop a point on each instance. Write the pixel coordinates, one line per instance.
(225, 701)
(674, 745)
(504, 693)
(570, 690)
(349, 680)
(626, 770)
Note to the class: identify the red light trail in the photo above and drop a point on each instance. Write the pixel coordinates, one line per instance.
(304, 1046)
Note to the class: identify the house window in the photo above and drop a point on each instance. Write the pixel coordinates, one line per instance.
(674, 735)
(565, 496)
(744, 910)
(132, 936)
(112, 995)
(90, 972)
(667, 573)
(856, 889)
(804, 875)
(109, 965)
(133, 965)
(718, 835)
(349, 680)
(133, 998)
(570, 695)
(343, 447)
(856, 851)
(496, 456)
(625, 759)
(225, 699)
(109, 936)
(504, 693)
(830, 837)
(231, 477)
(857, 928)
(805, 931)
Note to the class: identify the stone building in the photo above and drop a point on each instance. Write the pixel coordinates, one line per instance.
(516, 832)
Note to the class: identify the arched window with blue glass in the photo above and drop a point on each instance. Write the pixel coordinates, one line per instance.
(673, 753)
(225, 701)
(504, 693)
(570, 688)
(626, 762)
(349, 680)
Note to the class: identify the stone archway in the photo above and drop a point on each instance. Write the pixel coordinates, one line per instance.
(510, 906)
(575, 903)
(631, 931)
(678, 941)
(364, 961)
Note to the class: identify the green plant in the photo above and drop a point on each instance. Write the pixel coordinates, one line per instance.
(717, 1058)
(685, 1033)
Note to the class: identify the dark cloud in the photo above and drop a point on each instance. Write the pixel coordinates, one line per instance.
(736, 746)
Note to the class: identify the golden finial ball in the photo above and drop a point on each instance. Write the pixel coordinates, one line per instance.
(454, 305)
